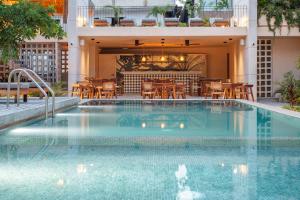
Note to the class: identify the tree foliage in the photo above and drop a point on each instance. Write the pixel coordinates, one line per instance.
(278, 11)
(24, 21)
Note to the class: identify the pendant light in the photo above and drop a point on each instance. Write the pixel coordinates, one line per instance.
(181, 58)
(162, 58)
(144, 59)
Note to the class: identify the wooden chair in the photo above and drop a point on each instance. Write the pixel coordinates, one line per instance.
(109, 89)
(238, 90)
(75, 90)
(86, 90)
(206, 91)
(148, 90)
(216, 90)
(180, 90)
(247, 91)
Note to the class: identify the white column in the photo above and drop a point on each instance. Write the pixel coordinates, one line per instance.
(57, 62)
(73, 45)
(250, 68)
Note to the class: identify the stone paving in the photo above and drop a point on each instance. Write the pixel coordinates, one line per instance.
(33, 108)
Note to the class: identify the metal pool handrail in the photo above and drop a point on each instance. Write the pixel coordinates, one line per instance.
(27, 73)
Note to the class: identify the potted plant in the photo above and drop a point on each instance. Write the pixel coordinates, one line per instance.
(117, 13)
(158, 12)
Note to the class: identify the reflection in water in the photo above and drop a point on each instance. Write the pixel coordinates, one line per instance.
(127, 140)
(264, 127)
(184, 191)
(60, 182)
(241, 169)
(81, 169)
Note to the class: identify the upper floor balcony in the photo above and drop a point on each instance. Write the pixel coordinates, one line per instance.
(163, 16)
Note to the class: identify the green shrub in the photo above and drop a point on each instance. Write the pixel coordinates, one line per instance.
(288, 88)
(181, 24)
(60, 89)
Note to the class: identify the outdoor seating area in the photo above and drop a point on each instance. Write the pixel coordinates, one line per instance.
(95, 88)
(226, 90)
(165, 89)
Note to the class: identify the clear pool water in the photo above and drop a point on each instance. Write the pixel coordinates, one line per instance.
(153, 150)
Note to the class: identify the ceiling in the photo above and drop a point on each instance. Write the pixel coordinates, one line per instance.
(152, 42)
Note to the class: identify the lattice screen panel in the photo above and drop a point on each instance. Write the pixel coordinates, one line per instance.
(264, 68)
(40, 57)
(64, 65)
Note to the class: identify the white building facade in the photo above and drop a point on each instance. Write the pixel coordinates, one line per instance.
(241, 51)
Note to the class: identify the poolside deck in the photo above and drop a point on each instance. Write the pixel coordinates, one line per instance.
(36, 107)
(32, 109)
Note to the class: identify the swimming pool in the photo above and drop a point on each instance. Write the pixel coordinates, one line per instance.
(153, 150)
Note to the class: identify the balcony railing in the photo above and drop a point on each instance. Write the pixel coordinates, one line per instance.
(59, 19)
(93, 16)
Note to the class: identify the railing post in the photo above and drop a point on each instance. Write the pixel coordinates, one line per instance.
(38, 86)
(18, 88)
(8, 87)
(46, 107)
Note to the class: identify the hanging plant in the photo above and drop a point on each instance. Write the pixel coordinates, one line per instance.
(278, 11)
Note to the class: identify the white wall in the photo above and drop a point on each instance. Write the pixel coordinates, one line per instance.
(217, 61)
(107, 66)
(286, 52)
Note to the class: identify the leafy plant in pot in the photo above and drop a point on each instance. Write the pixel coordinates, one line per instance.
(158, 11)
(117, 14)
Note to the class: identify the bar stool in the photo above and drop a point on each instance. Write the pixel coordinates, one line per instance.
(247, 90)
